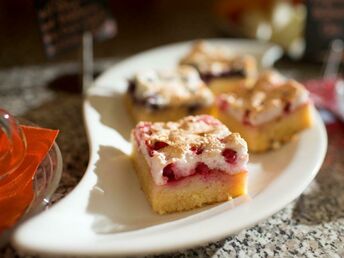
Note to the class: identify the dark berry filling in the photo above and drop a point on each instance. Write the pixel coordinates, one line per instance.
(149, 102)
(193, 108)
(169, 173)
(230, 155)
(131, 87)
(206, 77)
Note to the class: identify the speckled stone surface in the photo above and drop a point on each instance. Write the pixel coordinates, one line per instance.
(311, 226)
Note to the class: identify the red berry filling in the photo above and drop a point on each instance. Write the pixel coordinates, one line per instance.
(246, 119)
(202, 168)
(230, 155)
(197, 149)
(223, 104)
(169, 173)
(159, 145)
(155, 147)
(287, 107)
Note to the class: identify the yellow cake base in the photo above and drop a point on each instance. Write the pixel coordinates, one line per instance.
(188, 193)
(141, 113)
(225, 85)
(273, 134)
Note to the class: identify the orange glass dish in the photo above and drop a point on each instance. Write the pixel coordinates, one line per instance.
(22, 150)
(12, 144)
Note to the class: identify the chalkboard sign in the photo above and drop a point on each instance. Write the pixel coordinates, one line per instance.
(325, 22)
(62, 22)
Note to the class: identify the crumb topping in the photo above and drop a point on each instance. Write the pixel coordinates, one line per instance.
(213, 60)
(269, 79)
(174, 87)
(270, 97)
(188, 142)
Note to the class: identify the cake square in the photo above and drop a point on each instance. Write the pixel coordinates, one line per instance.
(168, 95)
(189, 163)
(220, 69)
(267, 115)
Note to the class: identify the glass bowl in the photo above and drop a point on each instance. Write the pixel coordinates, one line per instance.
(46, 179)
(45, 183)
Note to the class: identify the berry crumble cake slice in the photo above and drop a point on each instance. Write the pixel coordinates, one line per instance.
(168, 95)
(269, 114)
(219, 68)
(189, 163)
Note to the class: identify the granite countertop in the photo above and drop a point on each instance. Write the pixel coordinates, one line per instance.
(311, 226)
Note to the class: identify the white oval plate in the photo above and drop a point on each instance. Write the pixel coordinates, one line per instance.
(107, 213)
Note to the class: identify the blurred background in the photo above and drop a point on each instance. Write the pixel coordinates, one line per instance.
(144, 24)
(41, 61)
